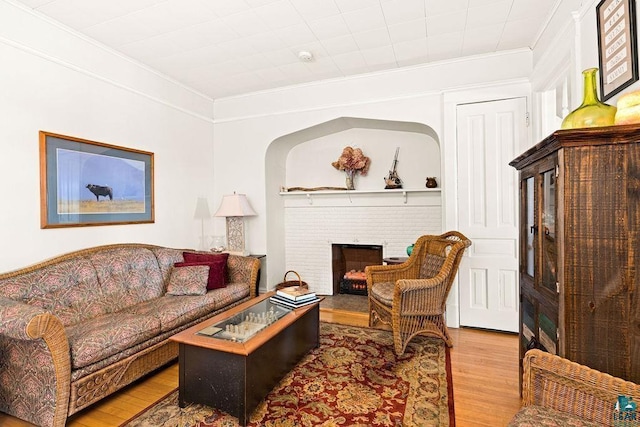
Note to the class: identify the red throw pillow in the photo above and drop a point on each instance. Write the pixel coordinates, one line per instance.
(217, 267)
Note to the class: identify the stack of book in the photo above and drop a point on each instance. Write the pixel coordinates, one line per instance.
(294, 297)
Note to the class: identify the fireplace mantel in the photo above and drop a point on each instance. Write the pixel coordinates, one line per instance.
(419, 196)
(316, 220)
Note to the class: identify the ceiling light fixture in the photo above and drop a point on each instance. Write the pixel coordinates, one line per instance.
(305, 56)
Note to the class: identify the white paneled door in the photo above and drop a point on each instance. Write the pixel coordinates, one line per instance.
(489, 136)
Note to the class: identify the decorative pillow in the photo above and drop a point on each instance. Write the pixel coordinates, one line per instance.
(203, 257)
(217, 264)
(188, 280)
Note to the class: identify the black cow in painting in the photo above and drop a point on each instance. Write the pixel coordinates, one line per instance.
(100, 190)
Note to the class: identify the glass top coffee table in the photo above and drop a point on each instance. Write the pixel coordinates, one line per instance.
(233, 360)
(244, 325)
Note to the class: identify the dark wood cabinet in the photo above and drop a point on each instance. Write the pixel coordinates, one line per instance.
(580, 248)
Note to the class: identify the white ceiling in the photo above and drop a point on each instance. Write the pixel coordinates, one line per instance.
(228, 47)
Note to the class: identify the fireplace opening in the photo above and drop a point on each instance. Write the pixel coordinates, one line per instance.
(348, 262)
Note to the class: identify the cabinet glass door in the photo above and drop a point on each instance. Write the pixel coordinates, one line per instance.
(529, 260)
(548, 229)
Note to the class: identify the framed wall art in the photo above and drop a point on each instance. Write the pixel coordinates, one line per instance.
(617, 46)
(86, 183)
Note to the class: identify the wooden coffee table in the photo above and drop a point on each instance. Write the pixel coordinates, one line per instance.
(222, 367)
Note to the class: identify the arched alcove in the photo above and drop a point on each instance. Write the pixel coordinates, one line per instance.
(299, 158)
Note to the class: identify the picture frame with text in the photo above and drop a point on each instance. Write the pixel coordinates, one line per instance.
(617, 46)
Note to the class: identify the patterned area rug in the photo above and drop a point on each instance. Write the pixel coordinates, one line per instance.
(353, 379)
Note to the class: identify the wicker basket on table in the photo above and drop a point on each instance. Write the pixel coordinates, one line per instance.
(287, 283)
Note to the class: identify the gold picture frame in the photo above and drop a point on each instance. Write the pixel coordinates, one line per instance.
(87, 183)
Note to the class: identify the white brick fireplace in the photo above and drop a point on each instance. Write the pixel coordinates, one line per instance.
(302, 225)
(391, 218)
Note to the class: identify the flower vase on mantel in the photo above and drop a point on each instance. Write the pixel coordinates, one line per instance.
(351, 173)
(352, 161)
(592, 112)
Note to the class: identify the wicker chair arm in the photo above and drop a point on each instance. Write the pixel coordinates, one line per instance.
(388, 273)
(554, 382)
(421, 296)
(408, 285)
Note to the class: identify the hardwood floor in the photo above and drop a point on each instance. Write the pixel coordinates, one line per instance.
(484, 368)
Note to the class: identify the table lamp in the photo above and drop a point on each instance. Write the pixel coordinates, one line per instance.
(235, 207)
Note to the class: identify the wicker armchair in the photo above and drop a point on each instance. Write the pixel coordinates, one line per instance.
(411, 297)
(558, 392)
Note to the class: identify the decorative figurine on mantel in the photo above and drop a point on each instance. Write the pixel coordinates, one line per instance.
(393, 181)
(352, 161)
(431, 182)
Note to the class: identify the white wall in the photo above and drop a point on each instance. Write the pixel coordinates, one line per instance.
(246, 126)
(587, 51)
(55, 80)
(309, 164)
(568, 46)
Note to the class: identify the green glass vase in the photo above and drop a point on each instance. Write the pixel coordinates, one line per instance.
(592, 112)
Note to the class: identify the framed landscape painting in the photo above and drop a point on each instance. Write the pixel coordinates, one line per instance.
(85, 183)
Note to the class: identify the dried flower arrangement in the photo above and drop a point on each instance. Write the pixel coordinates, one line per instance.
(352, 161)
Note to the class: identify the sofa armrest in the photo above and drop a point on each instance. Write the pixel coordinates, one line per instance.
(35, 346)
(25, 322)
(15, 317)
(244, 269)
(554, 382)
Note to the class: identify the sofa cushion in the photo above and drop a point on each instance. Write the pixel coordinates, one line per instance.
(217, 264)
(535, 416)
(383, 292)
(188, 279)
(95, 339)
(166, 258)
(215, 275)
(174, 312)
(127, 275)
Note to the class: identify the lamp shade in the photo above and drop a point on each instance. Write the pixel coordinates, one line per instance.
(202, 209)
(235, 205)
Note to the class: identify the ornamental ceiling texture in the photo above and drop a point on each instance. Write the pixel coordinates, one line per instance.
(223, 48)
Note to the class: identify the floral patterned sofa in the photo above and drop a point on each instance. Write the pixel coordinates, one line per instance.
(81, 326)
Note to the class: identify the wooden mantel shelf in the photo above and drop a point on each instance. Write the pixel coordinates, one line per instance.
(404, 193)
(396, 191)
